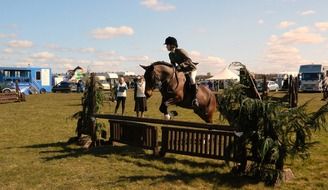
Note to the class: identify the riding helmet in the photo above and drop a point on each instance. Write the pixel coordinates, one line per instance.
(171, 41)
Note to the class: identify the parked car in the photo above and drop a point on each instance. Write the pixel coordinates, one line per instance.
(65, 86)
(271, 85)
(7, 87)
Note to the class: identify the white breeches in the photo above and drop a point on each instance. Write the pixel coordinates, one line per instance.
(193, 77)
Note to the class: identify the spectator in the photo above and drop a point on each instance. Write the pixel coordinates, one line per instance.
(140, 97)
(121, 95)
(216, 85)
(80, 86)
(325, 88)
(210, 85)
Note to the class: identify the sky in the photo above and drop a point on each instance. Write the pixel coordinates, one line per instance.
(268, 36)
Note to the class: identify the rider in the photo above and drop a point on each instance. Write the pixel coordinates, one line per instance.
(181, 61)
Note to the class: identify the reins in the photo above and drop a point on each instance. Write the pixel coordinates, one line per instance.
(167, 81)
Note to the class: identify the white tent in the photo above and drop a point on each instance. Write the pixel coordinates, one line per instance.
(225, 74)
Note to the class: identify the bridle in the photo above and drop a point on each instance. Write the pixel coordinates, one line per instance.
(157, 81)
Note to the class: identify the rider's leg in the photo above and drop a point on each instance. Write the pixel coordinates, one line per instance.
(194, 88)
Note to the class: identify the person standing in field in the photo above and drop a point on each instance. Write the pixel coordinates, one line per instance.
(140, 97)
(121, 90)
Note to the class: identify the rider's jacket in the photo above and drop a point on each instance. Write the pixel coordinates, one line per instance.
(181, 58)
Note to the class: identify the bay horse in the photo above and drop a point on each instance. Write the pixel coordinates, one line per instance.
(174, 90)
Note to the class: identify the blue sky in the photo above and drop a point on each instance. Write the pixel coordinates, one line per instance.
(117, 35)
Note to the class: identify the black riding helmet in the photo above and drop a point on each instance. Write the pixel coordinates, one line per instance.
(171, 41)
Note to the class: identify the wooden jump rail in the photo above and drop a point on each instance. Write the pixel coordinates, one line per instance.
(12, 96)
(167, 122)
(9, 97)
(180, 137)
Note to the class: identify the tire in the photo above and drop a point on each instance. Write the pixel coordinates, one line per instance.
(6, 91)
(43, 91)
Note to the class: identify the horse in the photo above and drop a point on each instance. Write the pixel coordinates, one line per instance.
(174, 86)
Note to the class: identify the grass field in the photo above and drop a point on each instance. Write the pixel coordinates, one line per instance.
(34, 154)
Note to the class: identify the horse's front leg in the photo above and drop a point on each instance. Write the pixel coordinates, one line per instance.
(163, 109)
(165, 104)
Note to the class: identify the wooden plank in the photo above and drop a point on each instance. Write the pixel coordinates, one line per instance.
(197, 142)
(139, 135)
(188, 141)
(202, 142)
(211, 144)
(224, 144)
(165, 139)
(167, 122)
(192, 142)
(215, 145)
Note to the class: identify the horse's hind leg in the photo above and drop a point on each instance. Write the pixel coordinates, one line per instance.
(211, 109)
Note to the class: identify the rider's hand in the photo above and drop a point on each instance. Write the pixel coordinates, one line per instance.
(178, 68)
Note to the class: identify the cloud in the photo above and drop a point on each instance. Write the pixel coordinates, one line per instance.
(8, 50)
(323, 26)
(112, 32)
(207, 63)
(261, 21)
(282, 58)
(157, 5)
(43, 56)
(301, 35)
(7, 35)
(285, 24)
(20, 44)
(307, 12)
(282, 53)
(88, 50)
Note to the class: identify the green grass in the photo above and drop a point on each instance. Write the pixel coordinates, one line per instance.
(34, 154)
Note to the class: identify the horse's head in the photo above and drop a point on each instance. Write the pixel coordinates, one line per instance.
(150, 80)
(155, 74)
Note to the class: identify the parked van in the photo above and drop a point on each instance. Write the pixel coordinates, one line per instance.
(311, 76)
(104, 84)
(112, 79)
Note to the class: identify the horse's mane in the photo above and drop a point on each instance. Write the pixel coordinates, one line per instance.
(162, 63)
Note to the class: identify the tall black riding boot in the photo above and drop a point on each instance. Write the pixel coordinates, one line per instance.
(194, 97)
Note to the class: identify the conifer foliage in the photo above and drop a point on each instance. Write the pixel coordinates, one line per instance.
(271, 131)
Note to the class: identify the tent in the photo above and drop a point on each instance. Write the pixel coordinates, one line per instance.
(225, 74)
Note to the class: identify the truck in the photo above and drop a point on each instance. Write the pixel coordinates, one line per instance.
(30, 80)
(312, 76)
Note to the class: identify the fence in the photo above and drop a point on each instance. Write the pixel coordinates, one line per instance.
(187, 138)
(9, 97)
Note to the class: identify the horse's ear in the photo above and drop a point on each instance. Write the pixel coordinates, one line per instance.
(144, 67)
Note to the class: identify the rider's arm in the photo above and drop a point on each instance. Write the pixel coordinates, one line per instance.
(187, 62)
(172, 60)
(184, 55)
